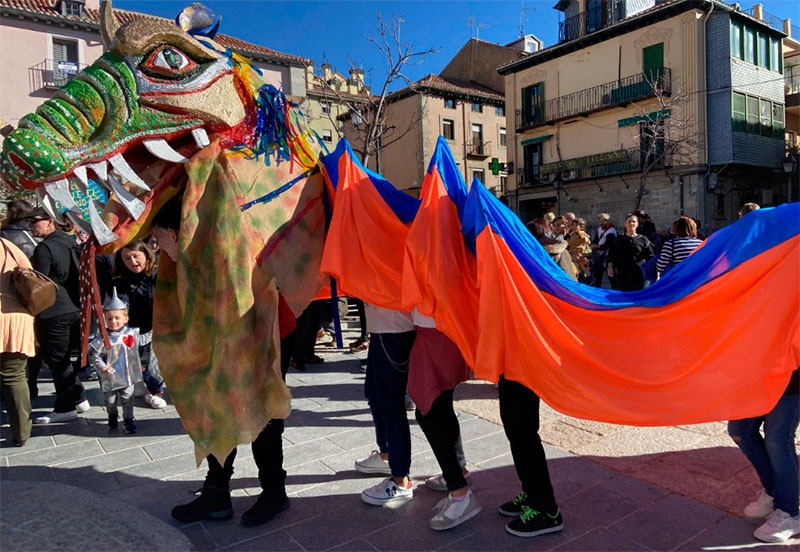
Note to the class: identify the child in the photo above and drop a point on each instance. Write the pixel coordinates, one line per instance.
(119, 367)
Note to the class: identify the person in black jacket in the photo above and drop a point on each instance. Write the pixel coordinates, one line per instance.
(58, 327)
(15, 227)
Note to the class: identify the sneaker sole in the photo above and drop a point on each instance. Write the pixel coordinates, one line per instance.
(384, 502)
(516, 533)
(509, 513)
(373, 471)
(455, 522)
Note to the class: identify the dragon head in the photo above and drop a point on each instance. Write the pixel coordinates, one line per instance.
(106, 150)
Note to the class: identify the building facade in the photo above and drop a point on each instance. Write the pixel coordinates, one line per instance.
(465, 104)
(675, 107)
(45, 43)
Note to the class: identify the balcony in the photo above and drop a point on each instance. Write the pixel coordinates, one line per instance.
(591, 21)
(52, 73)
(604, 96)
(599, 165)
(478, 149)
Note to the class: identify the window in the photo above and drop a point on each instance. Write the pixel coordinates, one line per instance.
(757, 116)
(532, 157)
(478, 173)
(503, 184)
(766, 118)
(449, 103)
(736, 40)
(749, 45)
(326, 107)
(477, 108)
(477, 138)
(775, 58)
(533, 104)
(72, 7)
(500, 111)
(449, 129)
(739, 112)
(778, 123)
(327, 136)
(502, 138)
(65, 61)
(762, 50)
(752, 115)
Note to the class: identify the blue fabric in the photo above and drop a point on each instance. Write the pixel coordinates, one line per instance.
(725, 250)
(403, 205)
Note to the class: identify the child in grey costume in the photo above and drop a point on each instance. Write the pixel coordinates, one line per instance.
(119, 367)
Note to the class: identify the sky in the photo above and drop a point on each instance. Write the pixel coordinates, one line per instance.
(337, 31)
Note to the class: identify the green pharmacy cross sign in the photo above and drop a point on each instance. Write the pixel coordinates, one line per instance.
(495, 166)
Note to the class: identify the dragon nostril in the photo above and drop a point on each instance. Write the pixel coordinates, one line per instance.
(20, 163)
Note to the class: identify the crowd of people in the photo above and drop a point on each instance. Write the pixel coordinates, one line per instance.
(406, 356)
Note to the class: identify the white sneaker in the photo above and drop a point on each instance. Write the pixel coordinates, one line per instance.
(760, 507)
(779, 527)
(452, 512)
(56, 417)
(373, 464)
(386, 492)
(82, 407)
(437, 482)
(155, 401)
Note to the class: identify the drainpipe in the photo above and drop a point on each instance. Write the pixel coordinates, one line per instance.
(704, 101)
(464, 137)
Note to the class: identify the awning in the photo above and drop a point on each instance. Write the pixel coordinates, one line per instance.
(536, 140)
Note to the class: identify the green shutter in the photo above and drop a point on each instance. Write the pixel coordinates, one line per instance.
(653, 61)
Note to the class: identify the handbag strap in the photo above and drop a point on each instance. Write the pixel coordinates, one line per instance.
(9, 252)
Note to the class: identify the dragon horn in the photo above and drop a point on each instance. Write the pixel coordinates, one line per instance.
(108, 23)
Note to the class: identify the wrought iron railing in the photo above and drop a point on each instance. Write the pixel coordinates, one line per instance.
(52, 73)
(478, 149)
(623, 91)
(591, 20)
(602, 164)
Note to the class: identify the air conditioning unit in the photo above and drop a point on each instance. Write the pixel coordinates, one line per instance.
(569, 174)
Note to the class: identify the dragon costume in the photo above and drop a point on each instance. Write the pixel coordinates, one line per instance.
(167, 112)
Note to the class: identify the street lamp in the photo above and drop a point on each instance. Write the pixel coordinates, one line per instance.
(788, 168)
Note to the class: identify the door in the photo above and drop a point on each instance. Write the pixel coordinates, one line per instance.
(653, 63)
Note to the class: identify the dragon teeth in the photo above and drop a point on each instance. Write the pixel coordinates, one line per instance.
(49, 205)
(200, 137)
(100, 169)
(60, 192)
(126, 172)
(132, 204)
(161, 149)
(101, 232)
(80, 173)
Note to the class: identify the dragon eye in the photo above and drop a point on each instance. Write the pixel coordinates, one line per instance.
(167, 61)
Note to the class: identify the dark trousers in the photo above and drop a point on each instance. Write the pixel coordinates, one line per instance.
(57, 337)
(519, 411)
(362, 318)
(441, 428)
(304, 337)
(385, 390)
(267, 448)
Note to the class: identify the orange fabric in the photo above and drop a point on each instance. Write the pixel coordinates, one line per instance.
(364, 246)
(439, 271)
(601, 365)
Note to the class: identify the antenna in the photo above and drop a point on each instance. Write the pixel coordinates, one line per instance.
(522, 16)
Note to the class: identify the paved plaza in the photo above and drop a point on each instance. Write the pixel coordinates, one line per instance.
(77, 486)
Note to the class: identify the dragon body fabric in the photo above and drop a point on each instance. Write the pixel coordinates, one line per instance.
(163, 113)
(717, 338)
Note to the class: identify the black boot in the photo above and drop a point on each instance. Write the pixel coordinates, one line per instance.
(213, 503)
(268, 504)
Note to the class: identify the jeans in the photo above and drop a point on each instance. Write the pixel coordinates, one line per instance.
(385, 390)
(773, 456)
(16, 394)
(151, 373)
(519, 411)
(57, 336)
(441, 428)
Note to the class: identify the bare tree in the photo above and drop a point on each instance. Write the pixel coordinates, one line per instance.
(367, 120)
(668, 136)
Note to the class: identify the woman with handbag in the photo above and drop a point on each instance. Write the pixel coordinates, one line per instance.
(680, 247)
(17, 344)
(58, 327)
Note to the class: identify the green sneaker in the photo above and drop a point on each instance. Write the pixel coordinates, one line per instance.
(533, 523)
(513, 508)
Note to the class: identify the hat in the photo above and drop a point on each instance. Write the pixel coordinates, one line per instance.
(37, 213)
(604, 216)
(114, 302)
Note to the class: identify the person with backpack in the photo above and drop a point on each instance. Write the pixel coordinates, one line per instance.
(58, 327)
